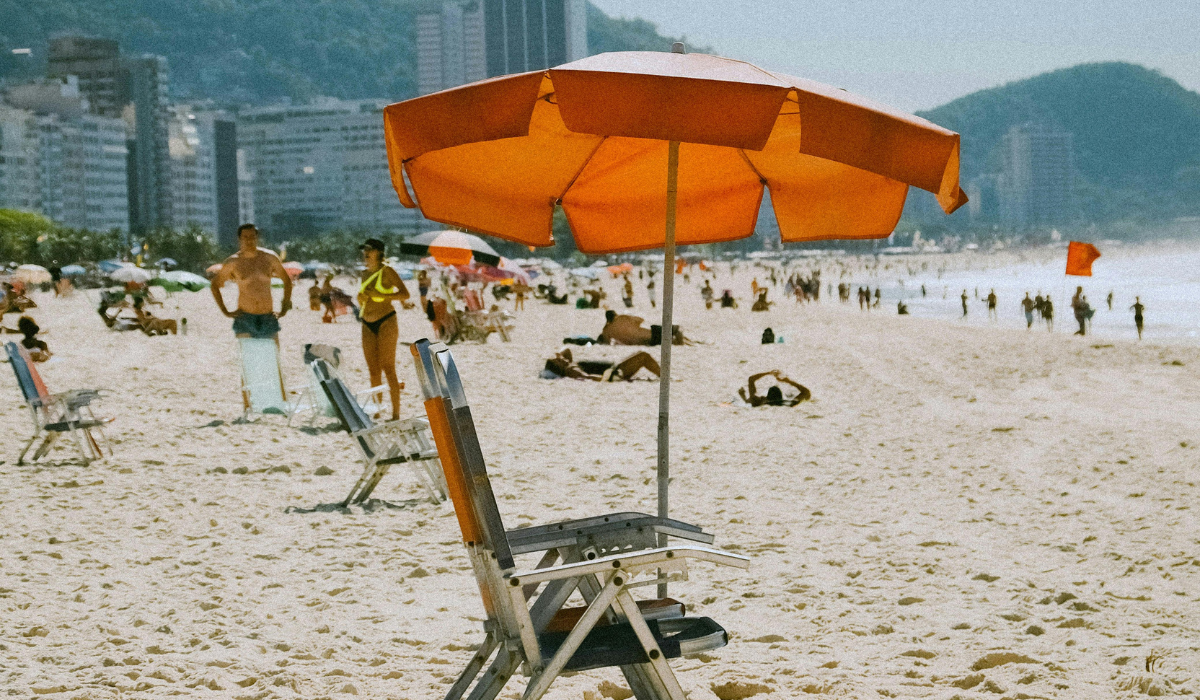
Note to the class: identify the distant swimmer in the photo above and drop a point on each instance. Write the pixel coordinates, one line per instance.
(1029, 305)
(922, 291)
(1110, 300)
(901, 308)
(964, 303)
(1083, 310)
(991, 302)
(1137, 308)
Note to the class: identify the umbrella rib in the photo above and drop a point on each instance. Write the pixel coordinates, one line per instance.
(749, 164)
(558, 200)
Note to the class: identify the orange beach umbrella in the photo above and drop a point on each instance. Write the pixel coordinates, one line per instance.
(646, 150)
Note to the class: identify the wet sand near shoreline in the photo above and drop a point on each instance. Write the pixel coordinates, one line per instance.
(959, 511)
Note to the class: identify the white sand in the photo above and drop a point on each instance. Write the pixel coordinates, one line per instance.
(946, 487)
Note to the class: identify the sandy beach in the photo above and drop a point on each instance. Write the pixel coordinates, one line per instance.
(960, 511)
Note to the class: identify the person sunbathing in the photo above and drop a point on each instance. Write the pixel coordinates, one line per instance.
(38, 350)
(621, 329)
(774, 395)
(761, 304)
(151, 324)
(563, 365)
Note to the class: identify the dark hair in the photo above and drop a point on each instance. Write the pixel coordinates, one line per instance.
(27, 326)
(244, 227)
(775, 396)
(610, 315)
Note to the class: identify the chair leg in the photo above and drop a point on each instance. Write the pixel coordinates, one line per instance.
(44, 448)
(658, 668)
(493, 680)
(21, 458)
(472, 670)
(352, 497)
(83, 449)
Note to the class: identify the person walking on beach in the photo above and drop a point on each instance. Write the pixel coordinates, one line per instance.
(1048, 313)
(1137, 308)
(878, 296)
(964, 303)
(252, 268)
(379, 286)
(1080, 306)
(991, 302)
(1029, 305)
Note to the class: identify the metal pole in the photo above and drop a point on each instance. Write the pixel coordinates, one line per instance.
(664, 380)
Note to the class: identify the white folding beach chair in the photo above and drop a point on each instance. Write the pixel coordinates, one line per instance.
(313, 402)
(528, 629)
(262, 377)
(384, 444)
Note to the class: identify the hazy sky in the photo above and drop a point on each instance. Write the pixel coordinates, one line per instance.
(917, 55)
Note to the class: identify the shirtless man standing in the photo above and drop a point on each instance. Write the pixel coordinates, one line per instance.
(252, 269)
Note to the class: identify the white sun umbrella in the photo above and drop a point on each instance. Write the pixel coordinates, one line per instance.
(131, 273)
(32, 274)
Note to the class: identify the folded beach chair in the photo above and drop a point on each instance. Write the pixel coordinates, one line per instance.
(383, 444)
(262, 377)
(528, 627)
(313, 402)
(55, 414)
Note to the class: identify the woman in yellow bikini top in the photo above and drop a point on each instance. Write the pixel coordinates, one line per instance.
(379, 286)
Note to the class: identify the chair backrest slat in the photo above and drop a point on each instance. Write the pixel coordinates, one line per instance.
(21, 369)
(474, 468)
(351, 414)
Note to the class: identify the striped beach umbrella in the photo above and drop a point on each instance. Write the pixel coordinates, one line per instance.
(451, 248)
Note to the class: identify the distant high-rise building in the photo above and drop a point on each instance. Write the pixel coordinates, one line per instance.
(469, 41)
(1036, 186)
(245, 191)
(321, 166)
(19, 188)
(134, 89)
(68, 164)
(193, 169)
(225, 167)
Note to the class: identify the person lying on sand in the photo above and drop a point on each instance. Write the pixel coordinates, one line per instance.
(622, 329)
(774, 395)
(151, 324)
(563, 365)
(38, 350)
(761, 304)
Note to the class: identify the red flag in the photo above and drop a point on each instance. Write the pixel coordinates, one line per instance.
(1080, 257)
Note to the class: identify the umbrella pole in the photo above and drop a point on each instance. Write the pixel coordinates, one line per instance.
(667, 337)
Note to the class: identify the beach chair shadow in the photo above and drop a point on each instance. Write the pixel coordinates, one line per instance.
(57, 414)
(528, 625)
(384, 444)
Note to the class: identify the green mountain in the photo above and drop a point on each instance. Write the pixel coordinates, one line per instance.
(251, 51)
(1136, 135)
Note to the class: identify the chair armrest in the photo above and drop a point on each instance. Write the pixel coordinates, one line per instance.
(596, 520)
(633, 563)
(523, 542)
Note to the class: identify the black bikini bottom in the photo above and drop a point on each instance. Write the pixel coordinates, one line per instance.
(375, 325)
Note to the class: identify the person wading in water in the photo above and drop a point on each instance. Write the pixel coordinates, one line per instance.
(379, 286)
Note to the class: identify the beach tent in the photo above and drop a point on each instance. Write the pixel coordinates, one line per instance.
(645, 150)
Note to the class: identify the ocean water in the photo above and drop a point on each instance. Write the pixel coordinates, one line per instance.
(1168, 282)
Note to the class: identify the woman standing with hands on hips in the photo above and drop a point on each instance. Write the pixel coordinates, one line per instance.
(379, 286)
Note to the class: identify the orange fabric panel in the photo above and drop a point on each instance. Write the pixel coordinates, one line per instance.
(505, 188)
(818, 199)
(43, 392)
(435, 409)
(619, 201)
(1080, 257)
(484, 111)
(692, 98)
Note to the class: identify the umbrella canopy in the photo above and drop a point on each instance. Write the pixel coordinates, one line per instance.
(293, 269)
(130, 273)
(110, 265)
(451, 248)
(645, 150)
(166, 263)
(506, 270)
(74, 270)
(177, 280)
(32, 274)
(212, 270)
